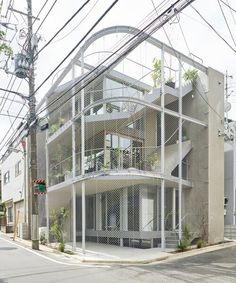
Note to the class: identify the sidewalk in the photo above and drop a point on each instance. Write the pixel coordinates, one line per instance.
(108, 254)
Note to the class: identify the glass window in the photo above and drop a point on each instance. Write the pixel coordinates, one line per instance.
(133, 209)
(111, 211)
(10, 214)
(18, 168)
(117, 89)
(90, 212)
(6, 178)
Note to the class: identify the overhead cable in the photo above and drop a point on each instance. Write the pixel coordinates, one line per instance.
(81, 40)
(66, 23)
(132, 43)
(216, 32)
(227, 4)
(226, 23)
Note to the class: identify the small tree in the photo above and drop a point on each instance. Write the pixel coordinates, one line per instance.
(58, 219)
(191, 75)
(156, 73)
(184, 243)
(4, 48)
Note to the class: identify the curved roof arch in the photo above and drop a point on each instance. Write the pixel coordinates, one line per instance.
(113, 30)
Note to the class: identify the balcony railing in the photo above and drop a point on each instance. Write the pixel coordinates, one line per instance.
(60, 172)
(111, 159)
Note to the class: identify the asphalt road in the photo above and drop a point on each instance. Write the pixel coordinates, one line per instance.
(19, 264)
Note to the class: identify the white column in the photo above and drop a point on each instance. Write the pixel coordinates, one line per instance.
(83, 217)
(73, 217)
(98, 211)
(234, 176)
(158, 208)
(47, 182)
(162, 152)
(83, 155)
(173, 209)
(124, 211)
(73, 127)
(73, 166)
(180, 148)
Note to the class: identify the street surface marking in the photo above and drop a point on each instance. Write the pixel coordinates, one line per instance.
(53, 260)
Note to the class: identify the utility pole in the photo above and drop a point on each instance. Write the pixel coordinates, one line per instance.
(33, 199)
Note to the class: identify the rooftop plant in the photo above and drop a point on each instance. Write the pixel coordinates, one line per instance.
(191, 75)
(156, 73)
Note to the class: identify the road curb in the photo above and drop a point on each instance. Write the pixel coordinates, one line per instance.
(155, 259)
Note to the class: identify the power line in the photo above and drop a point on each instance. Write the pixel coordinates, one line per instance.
(226, 22)
(212, 28)
(161, 4)
(227, 4)
(46, 16)
(66, 23)
(185, 40)
(78, 23)
(144, 22)
(124, 54)
(103, 15)
(7, 95)
(5, 136)
(141, 36)
(89, 31)
(231, 12)
(185, 70)
(45, 3)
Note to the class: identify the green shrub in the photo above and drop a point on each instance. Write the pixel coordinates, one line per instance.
(200, 244)
(185, 242)
(186, 233)
(57, 223)
(42, 239)
(183, 245)
(191, 75)
(61, 247)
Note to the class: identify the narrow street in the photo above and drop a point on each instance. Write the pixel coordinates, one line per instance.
(20, 264)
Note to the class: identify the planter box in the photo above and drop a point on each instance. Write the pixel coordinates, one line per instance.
(170, 84)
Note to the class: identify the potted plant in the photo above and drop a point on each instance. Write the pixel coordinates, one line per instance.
(61, 121)
(184, 134)
(105, 167)
(109, 107)
(156, 73)
(170, 82)
(53, 128)
(191, 75)
(153, 161)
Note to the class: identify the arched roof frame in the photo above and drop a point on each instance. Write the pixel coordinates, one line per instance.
(127, 30)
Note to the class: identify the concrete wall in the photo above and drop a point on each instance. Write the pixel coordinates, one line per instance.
(195, 200)
(228, 185)
(216, 157)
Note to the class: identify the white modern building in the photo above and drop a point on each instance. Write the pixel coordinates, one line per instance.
(133, 160)
(14, 187)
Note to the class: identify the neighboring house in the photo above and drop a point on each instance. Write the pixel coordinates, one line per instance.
(134, 163)
(15, 187)
(230, 181)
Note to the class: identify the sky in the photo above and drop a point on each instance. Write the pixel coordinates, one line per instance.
(199, 39)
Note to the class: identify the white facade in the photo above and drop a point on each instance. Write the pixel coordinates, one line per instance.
(13, 186)
(133, 163)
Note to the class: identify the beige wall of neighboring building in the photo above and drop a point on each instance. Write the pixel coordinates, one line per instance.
(216, 157)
